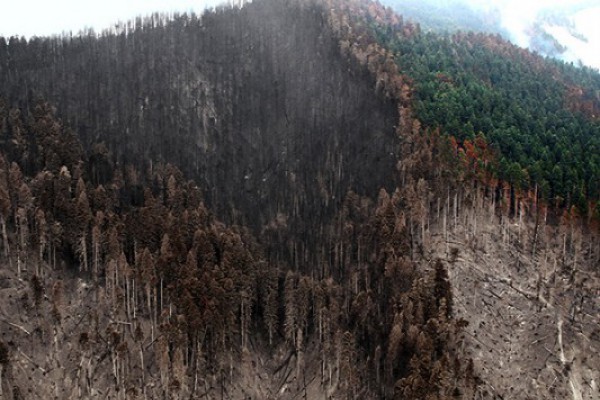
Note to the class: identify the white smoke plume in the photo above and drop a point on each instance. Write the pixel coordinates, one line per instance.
(574, 24)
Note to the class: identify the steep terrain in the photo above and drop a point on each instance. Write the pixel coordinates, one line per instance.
(134, 289)
(183, 305)
(268, 118)
(261, 203)
(560, 30)
(530, 295)
(540, 117)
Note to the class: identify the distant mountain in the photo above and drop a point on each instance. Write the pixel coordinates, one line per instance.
(565, 31)
(569, 33)
(449, 16)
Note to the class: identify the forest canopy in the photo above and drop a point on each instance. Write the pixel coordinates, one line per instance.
(541, 116)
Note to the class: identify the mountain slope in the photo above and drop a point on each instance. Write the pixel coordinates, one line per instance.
(563, 31)
(530, 295)
(134, 289)
(540, 117)
(266, 117)
(181, 305)
(364, 253)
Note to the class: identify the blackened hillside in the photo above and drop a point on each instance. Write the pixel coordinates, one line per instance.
(134, 289)
(257, 104)
(117, 280)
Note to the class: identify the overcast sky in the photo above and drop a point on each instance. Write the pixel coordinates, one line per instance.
(46, 17)
(588, 23)
(517, 16)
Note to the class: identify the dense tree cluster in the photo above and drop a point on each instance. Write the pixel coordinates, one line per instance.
(540, 116)
(153, 251)
(267, 118)
(318, 147)
(374, 319)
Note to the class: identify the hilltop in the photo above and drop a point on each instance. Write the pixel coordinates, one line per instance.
(288, 199)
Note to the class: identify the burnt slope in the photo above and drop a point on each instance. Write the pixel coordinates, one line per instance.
(256, 104)
(134, 288)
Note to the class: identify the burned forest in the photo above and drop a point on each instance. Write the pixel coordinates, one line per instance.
(268, 201)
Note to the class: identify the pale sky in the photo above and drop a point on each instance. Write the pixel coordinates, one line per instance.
(587, 23)
(517, 14)
(46, 17)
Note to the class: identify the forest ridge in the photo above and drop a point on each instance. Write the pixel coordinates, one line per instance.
(539, 116)
(276, 200)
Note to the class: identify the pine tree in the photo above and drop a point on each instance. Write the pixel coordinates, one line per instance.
(42, 238)
(97, 239)
(5, 205)
(442, 288)
(270, 298)
(83, 218)
(148, 277)
(291, 309)
(4, 360)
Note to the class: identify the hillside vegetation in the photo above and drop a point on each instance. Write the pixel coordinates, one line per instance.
(541, 117)
(113, 261)
(262, 202)
(267, 118)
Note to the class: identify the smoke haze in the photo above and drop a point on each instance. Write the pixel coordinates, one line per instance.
(566, 29)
